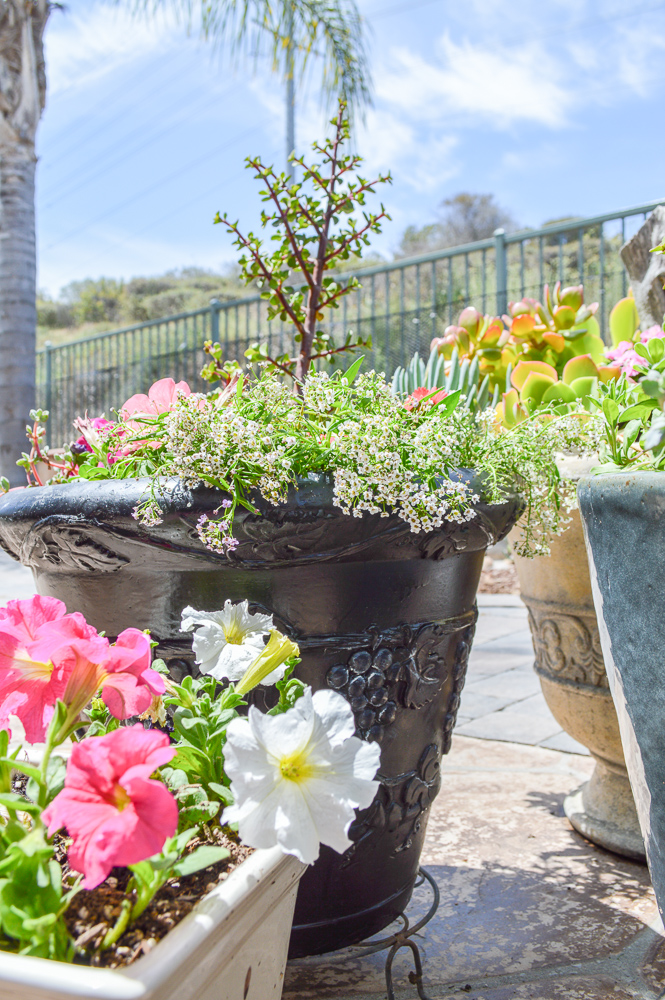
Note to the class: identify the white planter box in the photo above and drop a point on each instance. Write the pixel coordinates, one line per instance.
(232, 946)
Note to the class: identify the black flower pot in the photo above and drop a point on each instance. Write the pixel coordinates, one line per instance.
(381, 614)
(624, 524)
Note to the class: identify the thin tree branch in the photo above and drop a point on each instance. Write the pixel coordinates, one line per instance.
(258, 167)
(268, 275)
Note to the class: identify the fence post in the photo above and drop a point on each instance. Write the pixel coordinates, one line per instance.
(48, 389)
(215, 307)
(501, 271)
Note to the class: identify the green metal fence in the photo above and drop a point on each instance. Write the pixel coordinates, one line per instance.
(402, 305)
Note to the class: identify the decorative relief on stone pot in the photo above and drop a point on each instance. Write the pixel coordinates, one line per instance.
(403, 668)
(567, 646)
(399, 805)
(69, 546)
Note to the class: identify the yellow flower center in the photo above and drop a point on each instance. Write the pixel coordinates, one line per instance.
(296, 767)
(121, 798)
(234, 634)
(33, 670)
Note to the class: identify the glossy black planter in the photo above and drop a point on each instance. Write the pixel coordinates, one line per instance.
(381, 614)
(624, 525)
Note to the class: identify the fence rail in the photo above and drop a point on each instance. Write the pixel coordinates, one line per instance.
(402, 305)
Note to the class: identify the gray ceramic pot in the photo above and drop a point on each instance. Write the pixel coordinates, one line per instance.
(381, 614)
(624, 524)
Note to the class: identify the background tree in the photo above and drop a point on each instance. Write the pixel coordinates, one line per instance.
(292, 31)
(22, 95)
(464, 218)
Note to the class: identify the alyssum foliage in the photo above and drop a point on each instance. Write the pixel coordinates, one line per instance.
(314, 229)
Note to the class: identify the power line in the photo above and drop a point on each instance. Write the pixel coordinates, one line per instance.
(185, 205)
(105, 125)
(125, 152)
(149, 190)
(548, 32)
(93, 116)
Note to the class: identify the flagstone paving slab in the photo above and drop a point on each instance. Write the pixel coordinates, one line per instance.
(529, 909)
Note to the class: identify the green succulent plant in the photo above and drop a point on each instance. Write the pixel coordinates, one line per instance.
(452, 374)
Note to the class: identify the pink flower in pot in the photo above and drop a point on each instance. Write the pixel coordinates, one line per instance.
(114, 812)
(161, 398)
(47, 654)
(90, 432)
(36, 637)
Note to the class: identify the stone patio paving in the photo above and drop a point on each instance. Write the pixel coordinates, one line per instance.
(529, 909)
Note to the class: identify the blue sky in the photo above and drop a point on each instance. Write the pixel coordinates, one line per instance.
(555, 107)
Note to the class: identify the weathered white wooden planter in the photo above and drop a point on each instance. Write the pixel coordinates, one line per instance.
(232, 946)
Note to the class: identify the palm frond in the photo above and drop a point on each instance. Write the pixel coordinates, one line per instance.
(291, 32)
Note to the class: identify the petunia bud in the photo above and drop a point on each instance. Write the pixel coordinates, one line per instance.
(276, 653)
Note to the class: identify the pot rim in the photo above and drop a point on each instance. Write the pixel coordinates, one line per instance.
(316, 489)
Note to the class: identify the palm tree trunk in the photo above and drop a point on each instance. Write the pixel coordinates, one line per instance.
(18, 313)
(22, 95)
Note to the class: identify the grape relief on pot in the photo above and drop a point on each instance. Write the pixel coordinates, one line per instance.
(403, 670)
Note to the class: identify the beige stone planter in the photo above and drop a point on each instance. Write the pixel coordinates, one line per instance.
(569, 662)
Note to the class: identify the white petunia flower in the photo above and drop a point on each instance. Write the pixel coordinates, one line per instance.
(228, 641)
(298, 777)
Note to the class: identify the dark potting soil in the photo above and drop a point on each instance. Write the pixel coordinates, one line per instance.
(93, 912)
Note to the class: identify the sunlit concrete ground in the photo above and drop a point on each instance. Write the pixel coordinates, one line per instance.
(529, 909)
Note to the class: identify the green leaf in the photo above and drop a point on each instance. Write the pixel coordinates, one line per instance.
(637, 411)
(632, 429)
(223, 794)
(202, 857)
(656, 348)
(611, 411)
(446, 405)
(28, 769)
(352, 371)
(15, 802)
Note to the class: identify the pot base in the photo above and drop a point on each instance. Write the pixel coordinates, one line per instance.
(329, 935)
(603, 811)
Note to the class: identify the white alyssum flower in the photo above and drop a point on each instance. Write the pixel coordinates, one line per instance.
(228, 641)
(298, 777)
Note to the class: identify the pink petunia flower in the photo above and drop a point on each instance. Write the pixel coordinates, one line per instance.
(124, 674)
(90, 432)
(129, 683)
(161, 398)
(412, 401)
(47, 654)
(114, 812)
(36, 638)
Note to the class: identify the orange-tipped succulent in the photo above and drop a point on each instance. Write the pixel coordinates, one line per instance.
(537, 383)
(561, 329)
(554, 333)
(476, 336)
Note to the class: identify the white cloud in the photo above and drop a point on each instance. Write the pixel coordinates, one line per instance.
(479, 80)
(84, 44)
(638, 57)
(423, 161)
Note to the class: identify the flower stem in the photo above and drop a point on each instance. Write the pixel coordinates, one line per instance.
(120, 925)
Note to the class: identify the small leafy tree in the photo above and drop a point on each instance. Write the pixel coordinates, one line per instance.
(315, 230)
